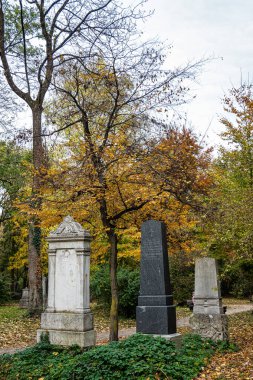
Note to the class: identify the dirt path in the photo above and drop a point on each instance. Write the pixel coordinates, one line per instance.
(182, 322)
(103, 337)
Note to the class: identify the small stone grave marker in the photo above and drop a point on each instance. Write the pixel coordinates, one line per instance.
(208, 319)
(24, 300)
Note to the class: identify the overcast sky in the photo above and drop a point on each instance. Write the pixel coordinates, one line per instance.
(204, 28)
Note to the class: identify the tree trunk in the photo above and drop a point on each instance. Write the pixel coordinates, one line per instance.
(114, 319)
(34, 246)
(34, 270)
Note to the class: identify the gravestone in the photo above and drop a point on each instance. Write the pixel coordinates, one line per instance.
(44, 291)
(67, 319)
(155, 313)
(208, 319)
(24, 301)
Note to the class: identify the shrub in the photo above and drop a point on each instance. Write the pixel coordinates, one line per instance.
(128, 288)
(100, 284)
(5, 287)
(138, 357)
(236, 278)
(182, 278)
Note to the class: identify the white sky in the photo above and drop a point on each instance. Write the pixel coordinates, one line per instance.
(204, 28)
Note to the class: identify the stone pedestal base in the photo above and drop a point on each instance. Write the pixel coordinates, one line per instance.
(160, 320)
(68, 328)
(176, 338)
(68, 338)
(67, 321)
(213, 326)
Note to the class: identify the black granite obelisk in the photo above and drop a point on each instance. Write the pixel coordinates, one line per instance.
(155, 313)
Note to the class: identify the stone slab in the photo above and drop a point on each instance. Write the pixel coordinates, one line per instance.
(24, 301)
(69, 338)
(206, 275)
(159, 320)
(67, 321)
(207, 295)
(213, 326)
(176, 338)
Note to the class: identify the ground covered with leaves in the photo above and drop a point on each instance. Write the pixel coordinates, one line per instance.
(234, 365)
(18, 330)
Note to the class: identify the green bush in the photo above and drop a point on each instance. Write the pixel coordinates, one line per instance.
(138, 357)
(100, 284)
(128, 288)
(182, 278)
(236, 278)
(5, 287)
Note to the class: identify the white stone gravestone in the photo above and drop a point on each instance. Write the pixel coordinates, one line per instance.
(24, 301)
(208, 319)
(67, 319)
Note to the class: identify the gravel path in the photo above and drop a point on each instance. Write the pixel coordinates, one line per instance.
(182, 322)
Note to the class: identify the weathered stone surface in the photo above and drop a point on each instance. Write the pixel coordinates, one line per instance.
(68, 304)
(213, 326)
(24, 301)
(67, 321)
(176, 338)
(68, 338)
(69, 264)
(208, 320)
(207, 297)
(155, 313)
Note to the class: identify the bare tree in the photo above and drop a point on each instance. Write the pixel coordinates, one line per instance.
(36, 37)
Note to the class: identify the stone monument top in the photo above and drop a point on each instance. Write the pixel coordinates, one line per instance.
(70, 229)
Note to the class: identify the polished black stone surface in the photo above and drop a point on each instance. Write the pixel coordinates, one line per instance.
(159, 320)
(155, 313)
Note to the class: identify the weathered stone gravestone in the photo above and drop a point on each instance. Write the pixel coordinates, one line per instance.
(24, 300)
(155, 313)
(208, 319)
(67, 319)
(44, 291)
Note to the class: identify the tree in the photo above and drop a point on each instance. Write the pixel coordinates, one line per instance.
(36, 37)
(13, 160)
(13, 176)
(8, 110)
(232, 202)
(239, 132)
(181, 166)
(103, 110)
